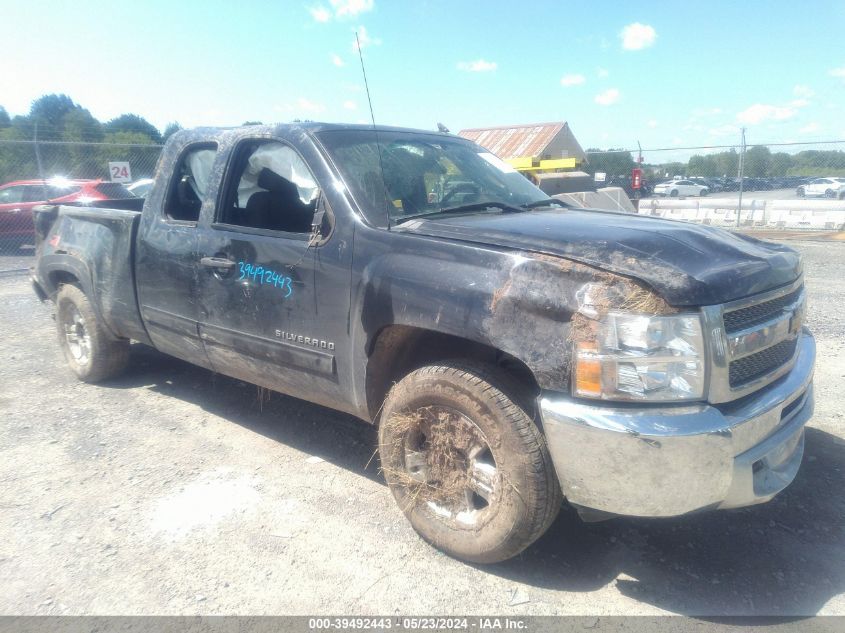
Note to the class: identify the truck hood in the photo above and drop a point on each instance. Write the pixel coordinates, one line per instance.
(687, 264)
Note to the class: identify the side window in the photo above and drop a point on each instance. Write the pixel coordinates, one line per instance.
(270, 187)
(189, 183)
(11, 195)
(34, 193)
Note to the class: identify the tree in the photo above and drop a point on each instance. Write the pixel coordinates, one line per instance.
(170, 130)
(613, 162)
(5, 121)
(703, 165)
(757, 160)
(135, 124)
(252, 123)
(780, 164)
(47, 112)
(727, 163)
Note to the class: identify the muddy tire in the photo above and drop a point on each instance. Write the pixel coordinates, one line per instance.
(466, 463)
(92, 353)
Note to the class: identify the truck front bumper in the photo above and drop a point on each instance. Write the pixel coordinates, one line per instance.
(656, 461)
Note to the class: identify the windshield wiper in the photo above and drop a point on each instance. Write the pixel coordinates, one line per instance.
(548, 202)
(472, 206)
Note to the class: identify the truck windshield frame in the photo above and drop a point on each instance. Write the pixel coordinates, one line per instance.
(398, 174)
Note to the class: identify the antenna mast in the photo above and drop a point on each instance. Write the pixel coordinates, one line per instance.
(373, 119)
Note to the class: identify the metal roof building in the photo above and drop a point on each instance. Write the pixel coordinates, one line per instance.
(538, 141)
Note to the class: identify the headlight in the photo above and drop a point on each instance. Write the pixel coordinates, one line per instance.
(637, 357)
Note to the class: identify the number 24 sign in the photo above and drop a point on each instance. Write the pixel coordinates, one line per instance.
(120, 171)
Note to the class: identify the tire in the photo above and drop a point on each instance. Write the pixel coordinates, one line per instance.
(674, 193)
(800, 192)
(703, 193)
(829, 194)
(466, 463)
(92, 352)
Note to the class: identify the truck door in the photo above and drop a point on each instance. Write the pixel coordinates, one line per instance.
(167, 251)
(263, 315)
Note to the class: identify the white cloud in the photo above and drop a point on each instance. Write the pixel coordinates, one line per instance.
(350, 105)
(801, 90)
(351, 8)
(337, 61)
(607, 97)
(365, 40)
(312, 107)
(478, 66)
(572, 80)
(837, 72)
(652, 124)
(637, 36)
(724, 130)
(602, 73)
(810, 127)
(340, 9)
(760, 112)
(320, 14)
(799, 103)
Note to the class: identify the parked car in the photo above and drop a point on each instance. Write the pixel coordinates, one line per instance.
(141, 187)
(19, 197)
(512, 351)
(675, 188)
(822, 188)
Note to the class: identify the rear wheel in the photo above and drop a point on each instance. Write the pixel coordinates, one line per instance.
(466, 463)
(800, 192)
(703, 192)
(674, 193)
(830, 193)
(92, 353)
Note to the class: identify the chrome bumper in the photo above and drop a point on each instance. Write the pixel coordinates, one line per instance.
(656, 461)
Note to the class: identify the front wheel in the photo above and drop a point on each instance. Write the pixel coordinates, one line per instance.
(466, 463)
(829, 194)
(673, 193)
(703, 193)
(800, 192)
(92, 352)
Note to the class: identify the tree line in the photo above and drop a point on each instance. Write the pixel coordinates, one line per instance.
(760, 162)
(61, 127)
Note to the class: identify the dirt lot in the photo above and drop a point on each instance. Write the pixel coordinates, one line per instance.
(175, 491)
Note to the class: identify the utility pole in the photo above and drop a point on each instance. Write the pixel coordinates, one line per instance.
(741, 168)
(38, 153)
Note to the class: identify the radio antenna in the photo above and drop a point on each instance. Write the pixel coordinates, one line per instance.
(375, 129)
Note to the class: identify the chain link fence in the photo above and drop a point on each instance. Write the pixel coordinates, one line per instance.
(32, 173)
(781, 186)
(798, 186)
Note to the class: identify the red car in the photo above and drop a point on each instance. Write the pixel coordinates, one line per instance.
(17, 199)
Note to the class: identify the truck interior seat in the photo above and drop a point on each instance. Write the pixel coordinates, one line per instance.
(279, 207)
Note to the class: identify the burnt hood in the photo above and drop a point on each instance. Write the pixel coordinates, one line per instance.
(687, 264)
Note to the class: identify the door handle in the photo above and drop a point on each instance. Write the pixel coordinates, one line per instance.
(217, 262)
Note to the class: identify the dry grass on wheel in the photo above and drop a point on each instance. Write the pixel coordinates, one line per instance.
(448, 439)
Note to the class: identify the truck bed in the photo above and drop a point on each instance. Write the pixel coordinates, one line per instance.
(98, 244)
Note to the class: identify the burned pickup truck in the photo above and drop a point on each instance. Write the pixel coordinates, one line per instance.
(514, 352)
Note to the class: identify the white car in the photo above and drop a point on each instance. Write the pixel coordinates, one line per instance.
(823, 188)
(139, 188)
(675, 188)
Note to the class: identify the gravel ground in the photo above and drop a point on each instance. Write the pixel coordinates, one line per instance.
(175, 491)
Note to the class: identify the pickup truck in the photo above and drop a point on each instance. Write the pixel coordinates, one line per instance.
(514, 352)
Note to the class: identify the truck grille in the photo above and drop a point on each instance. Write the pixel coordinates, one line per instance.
(763, 362)
(759, 313)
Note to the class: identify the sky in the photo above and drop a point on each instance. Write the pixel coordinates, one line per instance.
(666, 74)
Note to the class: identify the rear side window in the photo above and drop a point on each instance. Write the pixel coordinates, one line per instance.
(54, 192)
(113, 190)
(189, 184)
